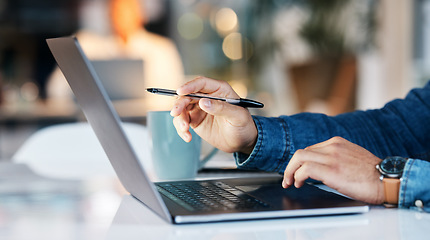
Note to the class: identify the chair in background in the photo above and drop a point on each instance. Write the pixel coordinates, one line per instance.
(72, 151)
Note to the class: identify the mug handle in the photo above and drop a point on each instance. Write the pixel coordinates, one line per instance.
(207, 158)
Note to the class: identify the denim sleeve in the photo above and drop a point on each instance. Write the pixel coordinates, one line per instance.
(399, 129)
(271, 149)
(414, 188)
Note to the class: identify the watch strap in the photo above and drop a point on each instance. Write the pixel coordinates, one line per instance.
(391, 189)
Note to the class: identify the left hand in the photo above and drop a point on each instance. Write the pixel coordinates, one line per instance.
(339, 164)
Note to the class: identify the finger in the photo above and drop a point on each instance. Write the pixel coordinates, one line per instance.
(180, 105)
(199, 84)
(181, 124)
(312, 170)
(295, 162)
(208, 86)
(235, 115)
(301, 157)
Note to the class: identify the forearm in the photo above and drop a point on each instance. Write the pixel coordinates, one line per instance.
(279, 138)
(400, 128)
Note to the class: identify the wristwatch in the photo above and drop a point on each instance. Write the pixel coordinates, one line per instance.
(391, 169)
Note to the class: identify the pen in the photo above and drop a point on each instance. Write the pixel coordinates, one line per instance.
(243, 102)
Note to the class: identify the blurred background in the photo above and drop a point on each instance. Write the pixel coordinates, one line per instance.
(330, 56)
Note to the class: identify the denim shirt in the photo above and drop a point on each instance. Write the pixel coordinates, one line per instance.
(400, 128)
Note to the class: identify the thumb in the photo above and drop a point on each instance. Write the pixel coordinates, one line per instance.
(223, 109)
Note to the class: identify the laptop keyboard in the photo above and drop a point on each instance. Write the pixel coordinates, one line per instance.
(209, 196)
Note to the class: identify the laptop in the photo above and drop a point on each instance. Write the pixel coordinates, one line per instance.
(121, 78)
(186, 201)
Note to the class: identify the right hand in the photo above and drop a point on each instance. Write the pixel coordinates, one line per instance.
(339, 164)
(227, 127)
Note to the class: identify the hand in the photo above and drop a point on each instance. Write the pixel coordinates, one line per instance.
(228, 127)
(339, 164)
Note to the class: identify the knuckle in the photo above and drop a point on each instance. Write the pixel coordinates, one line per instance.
(337, 140)
(300, 153)
(305, 168)
(176, 122)
(335, 143)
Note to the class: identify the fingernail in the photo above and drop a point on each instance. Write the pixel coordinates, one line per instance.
(187, 138)
(286, 183)
(207, 103)
(183, 136)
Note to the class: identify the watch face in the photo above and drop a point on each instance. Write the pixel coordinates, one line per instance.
(393, 166)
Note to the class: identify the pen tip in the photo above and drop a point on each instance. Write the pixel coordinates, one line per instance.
(151, 90)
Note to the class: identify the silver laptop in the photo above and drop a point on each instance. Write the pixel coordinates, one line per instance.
(186, 201)
(121, 78)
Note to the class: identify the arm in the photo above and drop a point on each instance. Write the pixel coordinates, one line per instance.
(399, 129)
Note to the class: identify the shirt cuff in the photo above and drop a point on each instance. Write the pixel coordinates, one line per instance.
(414, 191)
(271, 150)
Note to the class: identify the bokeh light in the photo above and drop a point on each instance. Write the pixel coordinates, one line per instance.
(190, 26)
(226, 21)
(232, 46)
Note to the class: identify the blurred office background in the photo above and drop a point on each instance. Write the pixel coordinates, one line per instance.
(330, 56)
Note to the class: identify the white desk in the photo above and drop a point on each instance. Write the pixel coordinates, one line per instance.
(32, 207)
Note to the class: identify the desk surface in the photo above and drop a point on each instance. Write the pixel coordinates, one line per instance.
(32, 207)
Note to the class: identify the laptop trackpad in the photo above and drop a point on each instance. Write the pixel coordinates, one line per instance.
(306, 197)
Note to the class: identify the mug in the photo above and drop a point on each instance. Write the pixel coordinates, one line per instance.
(172, 157)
